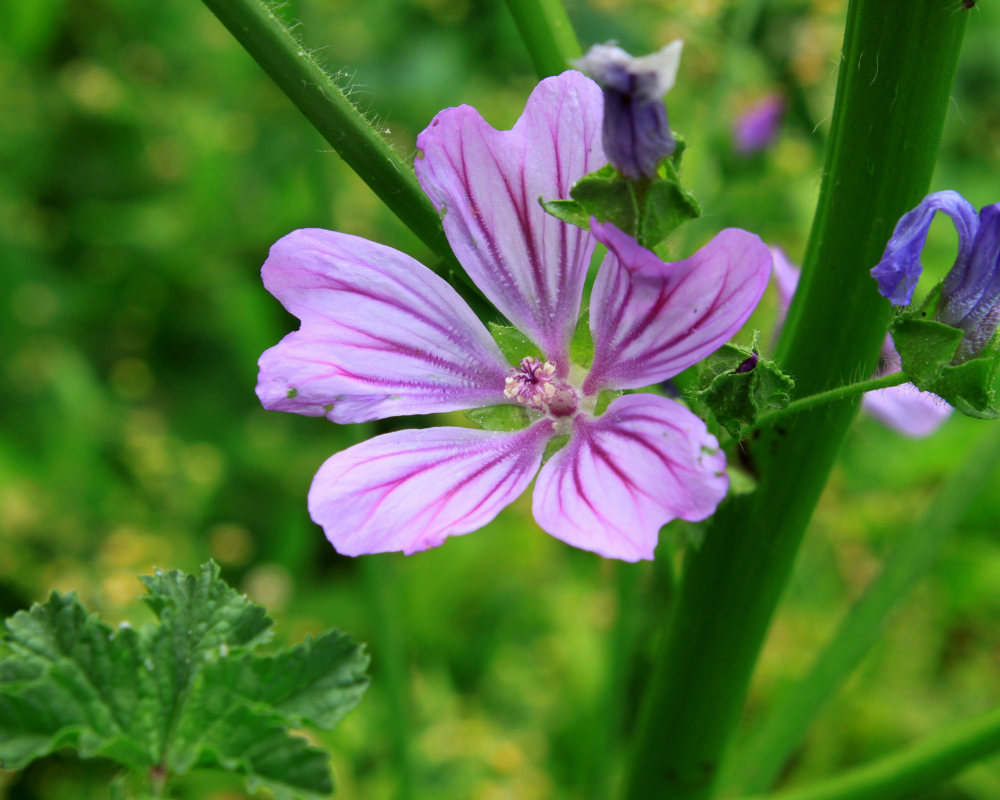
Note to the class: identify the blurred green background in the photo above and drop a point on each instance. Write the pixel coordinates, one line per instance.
(147, 164)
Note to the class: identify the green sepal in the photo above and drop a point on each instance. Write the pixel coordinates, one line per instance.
(554, 445)
(648, 211)
(735, 398)
(568, 211)
(581, 348)
(605, 399)
(508, 417)
(928, 350)
(668, 205)
(513, 344)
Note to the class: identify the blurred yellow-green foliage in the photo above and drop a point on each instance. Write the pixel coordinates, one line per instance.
(146, 165)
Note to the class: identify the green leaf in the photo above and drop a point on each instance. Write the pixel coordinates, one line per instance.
(500, 418)
(738, 386)
(513, 344)
(189, 690)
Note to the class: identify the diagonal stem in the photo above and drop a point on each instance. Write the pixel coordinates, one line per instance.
(547, 33)
(292, 67)
(918, 767)
(831, 396)
(770, 745)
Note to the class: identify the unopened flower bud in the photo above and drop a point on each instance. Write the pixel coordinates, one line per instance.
(636, 132)
(969, 296)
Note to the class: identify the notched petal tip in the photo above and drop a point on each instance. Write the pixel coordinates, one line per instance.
(528, 263)
(652, 319)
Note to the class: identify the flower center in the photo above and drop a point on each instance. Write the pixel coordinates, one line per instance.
(534, 384)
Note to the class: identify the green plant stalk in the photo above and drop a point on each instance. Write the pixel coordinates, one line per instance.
(920, 766)
(547, 33)
(292, 67)
(389, 658)
(831, 396)
(770, 745)
(892, 95)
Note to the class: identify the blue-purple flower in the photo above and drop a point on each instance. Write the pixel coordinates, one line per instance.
(969, 296)
(382, 335)
(904, 408)
(757, 128)
(636, 132)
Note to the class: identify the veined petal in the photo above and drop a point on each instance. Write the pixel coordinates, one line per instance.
(487, 184)
(381, 334)
(651, 320)
(625, 474)
(410, 490)
(898, 271)
(907, 410)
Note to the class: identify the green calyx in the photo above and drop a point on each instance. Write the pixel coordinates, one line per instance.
(931, 359)
(738, 386)
(647, 210)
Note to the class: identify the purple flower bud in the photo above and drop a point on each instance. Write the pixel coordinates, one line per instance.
(637, 134)
(757, 127)
(970, 293)
(748, 365)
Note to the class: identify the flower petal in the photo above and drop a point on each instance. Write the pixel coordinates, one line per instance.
(487, 184)
(651, 320)
(907, 410)
(625, 474)
(381, 334)
(410, 490)
(898, 271)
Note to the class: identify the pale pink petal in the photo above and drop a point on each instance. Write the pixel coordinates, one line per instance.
(786, 278)
(651, 320)
(487, 183)
(625, 474)
(410, 490)
(907, 410)
(381, 335)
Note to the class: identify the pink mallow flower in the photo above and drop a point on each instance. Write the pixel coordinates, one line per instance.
(905, 408)
(382, 335)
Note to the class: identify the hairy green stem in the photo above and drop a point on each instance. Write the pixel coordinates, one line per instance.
(292, 67)
(547, 33)
(840, 393)
(892, 95)
(770, 745)
(918, 767)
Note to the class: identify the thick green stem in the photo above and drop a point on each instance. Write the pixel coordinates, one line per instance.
(764, 755)
(892, 96)
(292, 67)
(920, 767)
(832, 395)
(547, 33)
